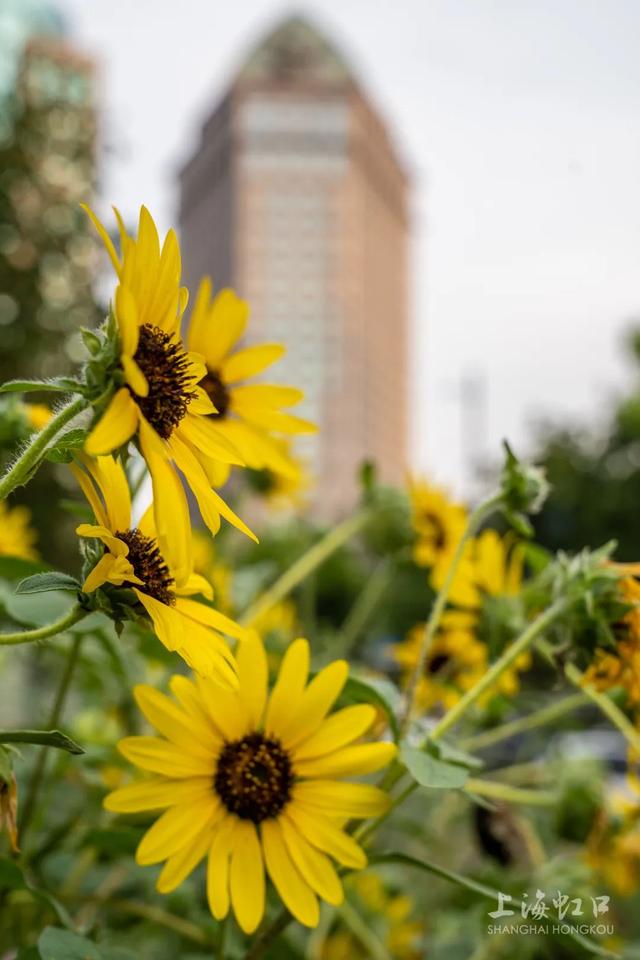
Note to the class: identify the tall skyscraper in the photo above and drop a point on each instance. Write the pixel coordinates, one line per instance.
(295, 197)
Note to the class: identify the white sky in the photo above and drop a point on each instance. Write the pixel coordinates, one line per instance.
(520, 123)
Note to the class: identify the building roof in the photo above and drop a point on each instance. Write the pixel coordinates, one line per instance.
(296, 50)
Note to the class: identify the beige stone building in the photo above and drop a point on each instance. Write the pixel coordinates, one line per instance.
(295, 197)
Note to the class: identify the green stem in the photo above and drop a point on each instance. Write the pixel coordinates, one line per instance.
(28, 461)
(305, 565)
(476, 519)
(54, 718)
(510, 655)
(523, 724)
(363, 933)
(364, 605)
(504, 791)
(222, 938)
(48, 630)
(606, 705)
(264, 940)
(147, 911)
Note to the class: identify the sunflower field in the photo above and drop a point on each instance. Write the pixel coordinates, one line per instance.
(230, 732)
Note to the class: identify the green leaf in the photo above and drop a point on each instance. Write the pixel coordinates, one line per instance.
(43, 582)
(431, 772)
(379, 693)
(47, 738)
(443, 750)
(56, 944)
(11, 876)
(52, 385)
(91, 340)
(64, 448)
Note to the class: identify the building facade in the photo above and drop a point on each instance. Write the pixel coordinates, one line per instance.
(296, 198)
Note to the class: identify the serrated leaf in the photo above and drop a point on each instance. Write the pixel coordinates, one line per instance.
(52, 385)
(43, 582)
(430, 772)
(443, 750)
(376, 692)
(57, 944)
(46, 738)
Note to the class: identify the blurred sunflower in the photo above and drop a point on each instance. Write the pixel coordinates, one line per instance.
(160, 403)
(282, 491)
(498, 564)
(621, 667)
(249, 416)
(254, 782)
(17, 536)
(613, 847)
(37, 414)
(206, 561)
(160, 580)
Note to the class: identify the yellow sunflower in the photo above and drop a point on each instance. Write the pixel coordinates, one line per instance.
(160, 403)
(254, 783)
(249, 416)
(162, 583)
(613, 846)
(622, 667)
(17, 537)
(498, 563)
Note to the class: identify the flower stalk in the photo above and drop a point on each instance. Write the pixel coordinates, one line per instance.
(70, 618)
(22, 468)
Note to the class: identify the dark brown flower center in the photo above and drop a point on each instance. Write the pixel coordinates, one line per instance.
(216, 389)
(166, 368)
(436, 529)
(437, 663)
(254, 777)
(148, 564)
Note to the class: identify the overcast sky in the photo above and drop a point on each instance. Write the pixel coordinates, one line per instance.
(520, 123)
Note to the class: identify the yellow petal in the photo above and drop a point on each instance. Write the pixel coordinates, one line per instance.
(198, 331)
(160, 756)
(175, 828)
(156, 793)
(225, 709)
(112, 483)
(316, 701)
(264, 396)
(206, 615)
(314, 866)
(246, 877)
(295, 893)
(253, 676)
(187, 694)
(209, 439)
(352, 761)
(127, 317)
(270, 419)
(196, 584)
(104, 236)
(327, 837)
(207, 653)
(109, 569)
(171, 509)
(167, 622)
(134, 376)
(250, 361)
(226, 322)
(179, 865)
(218, 867)
(118, 424)
(341, 800)
(337, 730)
(90, 492)
(169, 720)
(286, 695)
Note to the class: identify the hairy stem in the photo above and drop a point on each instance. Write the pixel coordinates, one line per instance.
(475, 521)
(30, 458)
(68, 619)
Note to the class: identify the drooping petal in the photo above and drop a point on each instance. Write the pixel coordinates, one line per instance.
(314, 866)
(111, 479)
(160, 756)
(295, 893)
(167, 622)
(246, 877)
(250, 361)
(155, 793)
(324, 835)
(337, 730)
(218, 867)
(351, 761)
(201, 613)
(176, 828)
(91, 494)
(118, 424)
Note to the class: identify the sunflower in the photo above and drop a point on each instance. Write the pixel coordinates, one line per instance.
(160, 403)
(161, 581)
(254, 782)
(613, 846)
(17, 537)
(498, 563)
(282, 491)
(249, 416)
(621, 668)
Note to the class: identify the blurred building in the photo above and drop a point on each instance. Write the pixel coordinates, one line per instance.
(296, 197)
